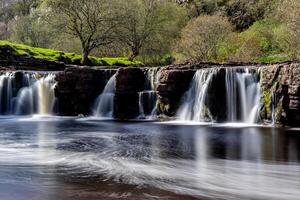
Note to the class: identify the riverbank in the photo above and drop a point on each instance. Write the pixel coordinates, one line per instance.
(23, 57)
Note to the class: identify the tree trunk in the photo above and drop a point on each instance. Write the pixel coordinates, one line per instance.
(133, 55)
(85, 57)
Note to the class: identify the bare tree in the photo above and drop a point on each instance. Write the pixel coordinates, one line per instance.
(145, 20)
(93, 22)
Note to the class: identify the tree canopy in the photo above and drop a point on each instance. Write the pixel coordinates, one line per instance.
(158, 31)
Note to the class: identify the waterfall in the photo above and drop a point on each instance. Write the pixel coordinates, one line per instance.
(152, 76)
(148, 97)
(193, 107)
(27, 93)
(147, 103)
(6, 80)
(242, 99)
(243, 95)
(46, 96)
(104, 104)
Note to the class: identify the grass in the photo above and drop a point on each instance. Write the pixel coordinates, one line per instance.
(67, 58)
(273, 58)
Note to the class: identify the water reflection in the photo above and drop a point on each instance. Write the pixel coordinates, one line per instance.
(75, 159)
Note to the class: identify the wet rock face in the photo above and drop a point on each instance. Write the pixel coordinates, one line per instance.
(281, 92)
(9, 59)
(173, 83)
(78, 87)
(129, 81)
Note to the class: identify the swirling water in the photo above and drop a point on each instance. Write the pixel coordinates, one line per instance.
(68, 158)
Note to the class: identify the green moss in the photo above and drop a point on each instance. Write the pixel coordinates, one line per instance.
(267, 102)
(273, 58)
(68, 58)
(267, 110)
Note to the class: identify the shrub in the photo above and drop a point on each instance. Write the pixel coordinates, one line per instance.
(262, 42)
(288, 13)
(200, 39)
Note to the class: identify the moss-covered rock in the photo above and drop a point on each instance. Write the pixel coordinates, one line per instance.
(280, 85)
(13, 54)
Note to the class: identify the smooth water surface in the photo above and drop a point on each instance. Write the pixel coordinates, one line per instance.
(66, 158)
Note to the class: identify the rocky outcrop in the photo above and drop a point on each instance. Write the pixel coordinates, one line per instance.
(129, 81)
(11, 60)
(172, 85)
(78, 87)
(280, 86)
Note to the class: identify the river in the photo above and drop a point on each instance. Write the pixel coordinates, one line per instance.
(72, 158)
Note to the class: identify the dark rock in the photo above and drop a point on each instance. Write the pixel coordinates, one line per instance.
(129, 81)
(11, 60)
(78, 87)
(216, 101)
(283, 82)
(172, 85)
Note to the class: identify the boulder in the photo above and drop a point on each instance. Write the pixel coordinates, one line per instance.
(129, 81)
(171, 87)
(78, 87)
(280, 85)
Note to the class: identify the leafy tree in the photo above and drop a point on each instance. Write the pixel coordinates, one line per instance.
(32, 30)
(262, 42)
(288, 12)
(93, 22)
(243, 13)
(203, 7)
(200, 39)
(12, 12)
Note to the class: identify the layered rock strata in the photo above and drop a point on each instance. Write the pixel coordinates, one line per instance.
(78, 87)
(129, 81)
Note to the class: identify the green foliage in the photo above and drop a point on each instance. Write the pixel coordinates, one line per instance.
(288, 13)
(154, 31)
(201, 38)
(68, 58)
(149, 28)
(262, 42)
(33, 31)
(243, 13)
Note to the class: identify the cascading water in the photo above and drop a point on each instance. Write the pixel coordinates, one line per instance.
(242, 95)
(147, 104)
(27, 93)
(104, 105)
(193, 107)
(6, 80)
(148, 97)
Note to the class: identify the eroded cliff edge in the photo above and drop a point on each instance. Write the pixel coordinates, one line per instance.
(78, 87)
(279, 84)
